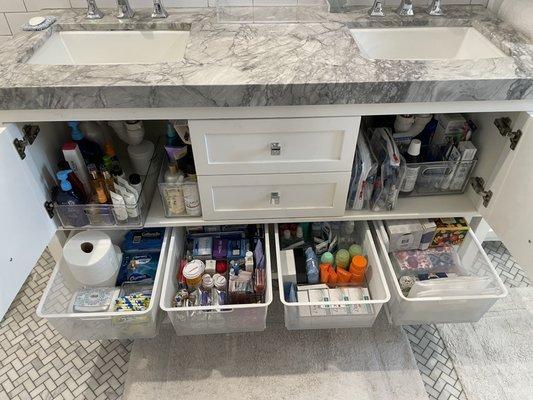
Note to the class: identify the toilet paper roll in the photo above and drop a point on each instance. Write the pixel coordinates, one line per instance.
(92, 258)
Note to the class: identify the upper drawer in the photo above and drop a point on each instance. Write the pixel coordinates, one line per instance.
(273, 195)
(257, 146)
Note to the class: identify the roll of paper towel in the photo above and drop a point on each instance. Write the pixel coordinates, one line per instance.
(92, 258)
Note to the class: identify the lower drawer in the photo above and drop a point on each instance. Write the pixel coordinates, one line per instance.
(215, 319)
(56, 302)
(412, 311)
(297, 314)
(273, 195)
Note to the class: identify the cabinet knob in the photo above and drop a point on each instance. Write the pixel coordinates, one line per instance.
(274, 198)
(275, 149)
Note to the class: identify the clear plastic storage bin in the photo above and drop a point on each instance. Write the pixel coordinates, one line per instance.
(412, 311)
(379, 292)
(107, 215)
(57, 298)
(175, 196)
(215, 319)
(441, 177)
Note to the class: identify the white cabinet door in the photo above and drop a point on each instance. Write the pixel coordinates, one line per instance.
(510, 210)
(24, 188)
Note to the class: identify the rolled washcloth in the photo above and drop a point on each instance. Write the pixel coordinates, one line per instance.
(39, 23)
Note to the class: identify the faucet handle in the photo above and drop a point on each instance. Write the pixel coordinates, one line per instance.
(124, 9)
(435, 8)
(377, 9)
(159, 10)
(93, 12)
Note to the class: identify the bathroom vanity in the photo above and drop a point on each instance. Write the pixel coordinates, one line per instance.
(274, 112)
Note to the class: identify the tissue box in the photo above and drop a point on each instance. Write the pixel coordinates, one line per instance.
(450, 231)
(404, 234)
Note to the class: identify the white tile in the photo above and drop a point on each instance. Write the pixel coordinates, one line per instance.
(36, 5)
(12, 5)
(4, 26)
(16, 20)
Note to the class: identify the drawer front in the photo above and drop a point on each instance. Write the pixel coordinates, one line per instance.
(273, 196)
(260, 146)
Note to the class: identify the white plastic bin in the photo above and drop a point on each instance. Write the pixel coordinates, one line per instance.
(379, 292)
(203, 320)
(412, 311)
(55, 306)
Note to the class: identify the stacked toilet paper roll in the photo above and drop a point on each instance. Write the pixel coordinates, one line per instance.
(92, 258)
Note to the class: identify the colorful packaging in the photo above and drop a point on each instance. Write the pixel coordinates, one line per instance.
(138, 267)
(451, 231)
(220, 249)
(143, 240)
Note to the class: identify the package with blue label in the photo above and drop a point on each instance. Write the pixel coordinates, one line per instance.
(138, 267)
(143, 240)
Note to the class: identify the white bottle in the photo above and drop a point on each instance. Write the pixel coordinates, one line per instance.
(173, 192)
(72, 154)
(192, 197)
(249, 261)
(94, 131)
(135, 132)
(411, 170)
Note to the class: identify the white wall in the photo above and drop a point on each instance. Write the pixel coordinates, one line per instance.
(517, 12)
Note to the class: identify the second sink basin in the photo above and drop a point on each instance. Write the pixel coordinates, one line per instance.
(111, 47)
(427, 43)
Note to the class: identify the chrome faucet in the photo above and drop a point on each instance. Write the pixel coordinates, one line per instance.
(159, 11)
(435, 8)
(93, 12)
(377, 9)
(124, 9)
(406, 8)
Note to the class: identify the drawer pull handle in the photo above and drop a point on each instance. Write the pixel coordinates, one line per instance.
(275, 149)
(274, 198)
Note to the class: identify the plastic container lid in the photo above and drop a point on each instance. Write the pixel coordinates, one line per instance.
(207, 281)
(135, 179)
(219, 282)
(193, 269)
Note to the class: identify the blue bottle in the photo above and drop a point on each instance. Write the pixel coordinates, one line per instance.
(91, 151)
(311, 266)
(173, 140)
(69, 214)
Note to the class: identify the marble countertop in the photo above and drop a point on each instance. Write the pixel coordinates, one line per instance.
(230, 65)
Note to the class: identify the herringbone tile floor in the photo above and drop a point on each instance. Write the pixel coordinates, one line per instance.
(434, 363)
(37, 363)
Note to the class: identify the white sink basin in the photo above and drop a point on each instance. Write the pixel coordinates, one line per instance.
(427, 43)
(111, 47)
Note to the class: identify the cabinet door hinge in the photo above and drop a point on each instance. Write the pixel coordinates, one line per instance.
(504, 126)
(479, 187)
(30, 134)
(49, 207)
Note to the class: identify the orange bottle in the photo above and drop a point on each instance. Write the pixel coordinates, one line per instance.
(332, 278)
(324, 272)
(343, 276)
(357, 269)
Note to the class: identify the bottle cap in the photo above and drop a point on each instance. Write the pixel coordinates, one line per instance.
(414, 147)
(116, 170)
(63, 180)
(75, 133)
(358, 264)
(171, 132)
(135, 179)
(109, 150)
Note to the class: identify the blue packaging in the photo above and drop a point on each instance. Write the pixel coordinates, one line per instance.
(236, 249)
(138, 267)
(311, 266)
(143, 240)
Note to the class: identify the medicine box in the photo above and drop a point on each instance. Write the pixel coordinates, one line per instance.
(404, 234)
(450, 231)
(429, 229)
(450, 126)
